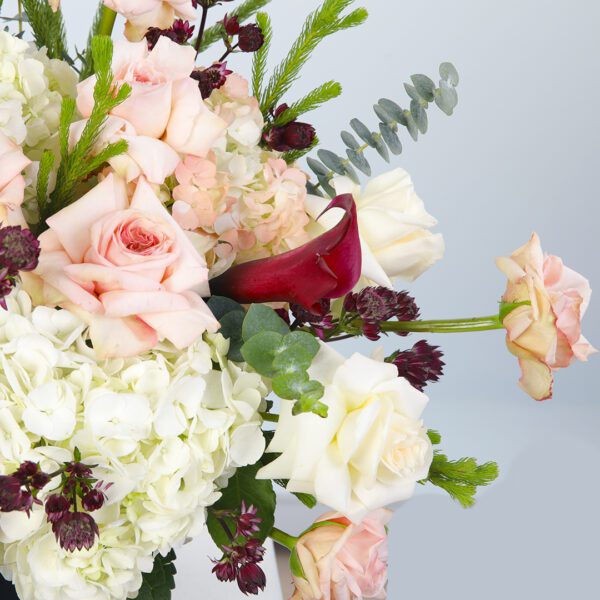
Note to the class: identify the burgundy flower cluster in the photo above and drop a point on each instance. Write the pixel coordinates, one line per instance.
(19, 251)
(241, 557)
(250, 37)
(291, 136)
(321, 320)
(375, 305)
(180, 32)
(419, 365)
(74, 529)
(211, 78)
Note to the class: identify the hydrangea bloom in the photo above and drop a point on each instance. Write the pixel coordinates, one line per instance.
(32, 88)
(165, 428)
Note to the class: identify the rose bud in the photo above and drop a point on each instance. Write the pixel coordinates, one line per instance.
(331, 263)
(343, 560)
(544, 333)
(251, 579)
(250, 38)
(75, 531)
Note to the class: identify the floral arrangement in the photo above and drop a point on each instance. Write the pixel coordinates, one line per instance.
(172, 283)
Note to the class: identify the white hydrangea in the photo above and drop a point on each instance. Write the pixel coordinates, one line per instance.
(32, 88)
(166, 429)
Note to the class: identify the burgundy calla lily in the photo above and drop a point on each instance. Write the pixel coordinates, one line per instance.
(327, 267)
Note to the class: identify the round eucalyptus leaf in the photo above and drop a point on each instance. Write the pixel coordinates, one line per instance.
(327, 187)
(390, 107)
(412, 92)
(313, 190)
(350, 172)
(391, 138)
(317, 167)
(333, 161)
(449, 73)
(362, 131)
(350, 140)
(383, 115)
(419, 114)
(424, 86)
(381, 147)
(411, 125)
(447, 98)
(359, 161)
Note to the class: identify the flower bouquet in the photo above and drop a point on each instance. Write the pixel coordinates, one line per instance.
(173, 282)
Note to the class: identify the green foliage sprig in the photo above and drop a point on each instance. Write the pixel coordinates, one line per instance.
(82, 160)
(459, 478)
(158, 584)
(86, 58)
(259, 62)
(243, 12)
(48, 28)
(422, 92)
(323, 22)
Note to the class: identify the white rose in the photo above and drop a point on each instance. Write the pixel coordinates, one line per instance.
(393, 224)
(370, 450)
(50, 411)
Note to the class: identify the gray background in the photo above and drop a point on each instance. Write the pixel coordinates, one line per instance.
(520, 153)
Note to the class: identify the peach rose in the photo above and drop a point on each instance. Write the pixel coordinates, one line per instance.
(546, 334)
(146, 156)
(343, 560)
(12, 183)
(164, 99)
(127, 268)
(142, 14)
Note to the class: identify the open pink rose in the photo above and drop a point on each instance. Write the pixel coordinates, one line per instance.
(12, 184)
(127, 268)
(142, 14)
(164, 99)
(343, 560)
(546, 334)
(152, 158)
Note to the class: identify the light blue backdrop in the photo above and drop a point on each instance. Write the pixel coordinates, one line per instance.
(521, 153)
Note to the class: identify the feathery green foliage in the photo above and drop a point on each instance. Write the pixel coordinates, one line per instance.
(46, 166)
(386, 141)
(81, 161)
(317, 97)
(321, 23)
(259, 63)
(243, 12)
(295, 155)
(87, 59)
(48, 27)
(459, 478)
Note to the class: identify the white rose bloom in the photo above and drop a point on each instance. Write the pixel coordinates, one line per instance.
(32, 88)
(370, 450)
(165, 429)
(393, 224)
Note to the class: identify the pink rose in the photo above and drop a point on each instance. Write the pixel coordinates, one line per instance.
(146, 156)
(127, 268)
(12, 184)
(164, 98)
(142, 14)
(546, 334)
(344, 560)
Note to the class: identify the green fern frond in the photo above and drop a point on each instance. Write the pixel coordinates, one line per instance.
(259, 63)
(48, 27)
(313, 100)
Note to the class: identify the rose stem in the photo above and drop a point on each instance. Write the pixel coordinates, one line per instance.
(283, 539)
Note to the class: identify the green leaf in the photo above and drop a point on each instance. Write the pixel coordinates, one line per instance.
(158, 584)
(231, 328)
(220, 306)
(350, 140)
(362, 131)
(447, 98)
(333, 161)
(449, 73)
(313, 100)
(260, 351)
(359, 161)
(393, 109)
(391, 138)
(424, 86)
(419, 114)
(259, 63)
(290, 386)
(262, 318)
(309, 401)
(316, 167)
(434, 436)
(244, 486)
(48, 27)
(379, 145)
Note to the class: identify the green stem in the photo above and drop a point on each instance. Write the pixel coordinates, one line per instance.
(107, 21)
(438, 326)
(270, 417)
(283, 539)
(20, 7)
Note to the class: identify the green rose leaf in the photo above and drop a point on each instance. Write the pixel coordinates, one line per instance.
(158, 584)
(262, 318)
(244, 486)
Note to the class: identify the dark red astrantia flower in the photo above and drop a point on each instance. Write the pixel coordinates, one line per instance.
(327, 267)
